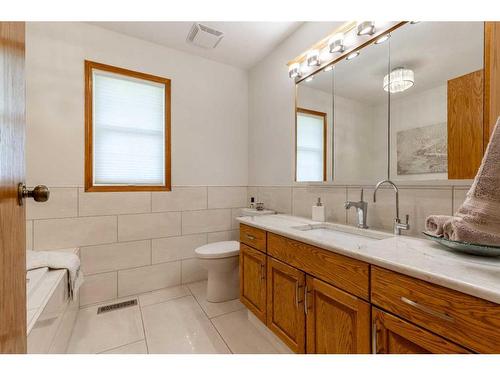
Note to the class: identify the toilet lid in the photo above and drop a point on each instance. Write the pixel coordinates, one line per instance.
(223, 249)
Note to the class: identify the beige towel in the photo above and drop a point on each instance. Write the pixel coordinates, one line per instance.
(478, 218)
(58, 260)
(434, 224)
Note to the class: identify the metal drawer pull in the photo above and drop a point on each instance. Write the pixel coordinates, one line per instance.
(305, 300)
(427, 310)
(297, 294)
(250, 237)
(262, 274)
(374, 338)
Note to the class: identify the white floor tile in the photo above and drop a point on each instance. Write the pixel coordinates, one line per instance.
(241, 335)
(180, 326)
(199, 290)
(97, 333)
(163, 295)
(138, 347)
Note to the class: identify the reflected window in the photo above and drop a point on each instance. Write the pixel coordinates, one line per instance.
(311, 145)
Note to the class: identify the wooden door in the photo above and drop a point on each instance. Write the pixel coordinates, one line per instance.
(285, 303)
(253, 280)
(392, 335)
(465, 125)
(12, 216)
(337, 322)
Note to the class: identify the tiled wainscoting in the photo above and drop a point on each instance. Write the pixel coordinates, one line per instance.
(417, 201)
(135, 242)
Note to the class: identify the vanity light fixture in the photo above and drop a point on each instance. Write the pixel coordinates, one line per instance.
(309, 79)
(313, 58)
(366, 28)
(352, 55)
(400, 79)
(294, 70)
(336, 43)
(328, 68)
(383, 39)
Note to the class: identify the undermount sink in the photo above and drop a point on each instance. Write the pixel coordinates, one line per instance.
(354, 233)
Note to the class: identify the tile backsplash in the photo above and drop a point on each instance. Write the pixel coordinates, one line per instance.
(140, 241)
(134, 242)
(416, 201)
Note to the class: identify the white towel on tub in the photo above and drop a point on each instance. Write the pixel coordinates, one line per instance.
(58, 260)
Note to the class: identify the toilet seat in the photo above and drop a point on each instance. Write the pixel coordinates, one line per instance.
(217, 250)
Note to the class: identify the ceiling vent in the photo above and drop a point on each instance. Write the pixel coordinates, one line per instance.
(204, 36)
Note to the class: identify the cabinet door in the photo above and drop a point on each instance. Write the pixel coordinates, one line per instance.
(285, 303)
(391, 335)
(337, 322)
(253, 281)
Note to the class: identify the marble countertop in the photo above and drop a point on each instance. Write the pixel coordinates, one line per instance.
(419, 258)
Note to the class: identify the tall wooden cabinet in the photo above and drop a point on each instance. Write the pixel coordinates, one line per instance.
(337, 322)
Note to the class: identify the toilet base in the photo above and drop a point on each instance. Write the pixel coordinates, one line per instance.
(222, 286)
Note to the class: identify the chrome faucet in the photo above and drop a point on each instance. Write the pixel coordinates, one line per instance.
(361, 210)
(398, 226)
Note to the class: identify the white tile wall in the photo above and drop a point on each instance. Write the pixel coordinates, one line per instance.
(180, 199)
(110, 203)
(144, 279)
(177, 248)
(206, 221)
(62, 203)
(135, 241)
(141, 226)
(69, 232)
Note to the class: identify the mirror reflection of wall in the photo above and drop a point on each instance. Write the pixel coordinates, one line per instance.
(435, 64)
(314, 114)
(361, 116)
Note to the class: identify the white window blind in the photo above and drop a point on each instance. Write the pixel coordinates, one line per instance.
(310, 147)
(128, 130)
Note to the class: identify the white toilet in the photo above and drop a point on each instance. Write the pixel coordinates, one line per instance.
(220, 259)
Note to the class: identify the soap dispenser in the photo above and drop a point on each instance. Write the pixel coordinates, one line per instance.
(318, 211)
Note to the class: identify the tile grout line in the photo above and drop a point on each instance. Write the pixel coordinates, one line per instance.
(210, 320)
(121, 346)
(143, 325)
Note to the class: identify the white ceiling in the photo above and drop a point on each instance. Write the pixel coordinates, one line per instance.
(244, 43)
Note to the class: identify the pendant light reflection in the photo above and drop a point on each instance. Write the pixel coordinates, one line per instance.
(399, 80)
(383, 38)
(309, 79)
(352, 55)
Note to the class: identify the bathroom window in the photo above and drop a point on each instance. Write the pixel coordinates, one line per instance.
(311, 145)
(127, 130)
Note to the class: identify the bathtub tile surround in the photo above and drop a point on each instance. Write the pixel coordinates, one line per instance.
(172, 320)
(135, 242)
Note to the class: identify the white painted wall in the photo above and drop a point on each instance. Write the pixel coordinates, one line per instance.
(209, 105)
(271, 108)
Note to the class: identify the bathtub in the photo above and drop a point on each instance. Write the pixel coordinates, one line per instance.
(51, 314)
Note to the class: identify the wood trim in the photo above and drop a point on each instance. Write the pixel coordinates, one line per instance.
(89, 178)
(12, 216)
(325, 132)
(491, 78)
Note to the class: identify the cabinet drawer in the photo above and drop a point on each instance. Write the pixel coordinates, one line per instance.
(466, 320)
(345, 273)
(253, 237)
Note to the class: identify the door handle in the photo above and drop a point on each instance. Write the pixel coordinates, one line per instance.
(40, 193)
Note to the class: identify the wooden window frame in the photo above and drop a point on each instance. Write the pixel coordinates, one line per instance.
(89, 150)
(325, 130)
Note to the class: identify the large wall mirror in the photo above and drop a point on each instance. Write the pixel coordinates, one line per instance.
(409, 108)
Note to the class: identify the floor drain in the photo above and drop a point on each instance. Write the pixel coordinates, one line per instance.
(116, 306)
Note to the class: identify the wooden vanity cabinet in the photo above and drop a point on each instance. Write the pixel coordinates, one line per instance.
(253, 280)
(285, 303)
(391, 335)
(337, 322)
